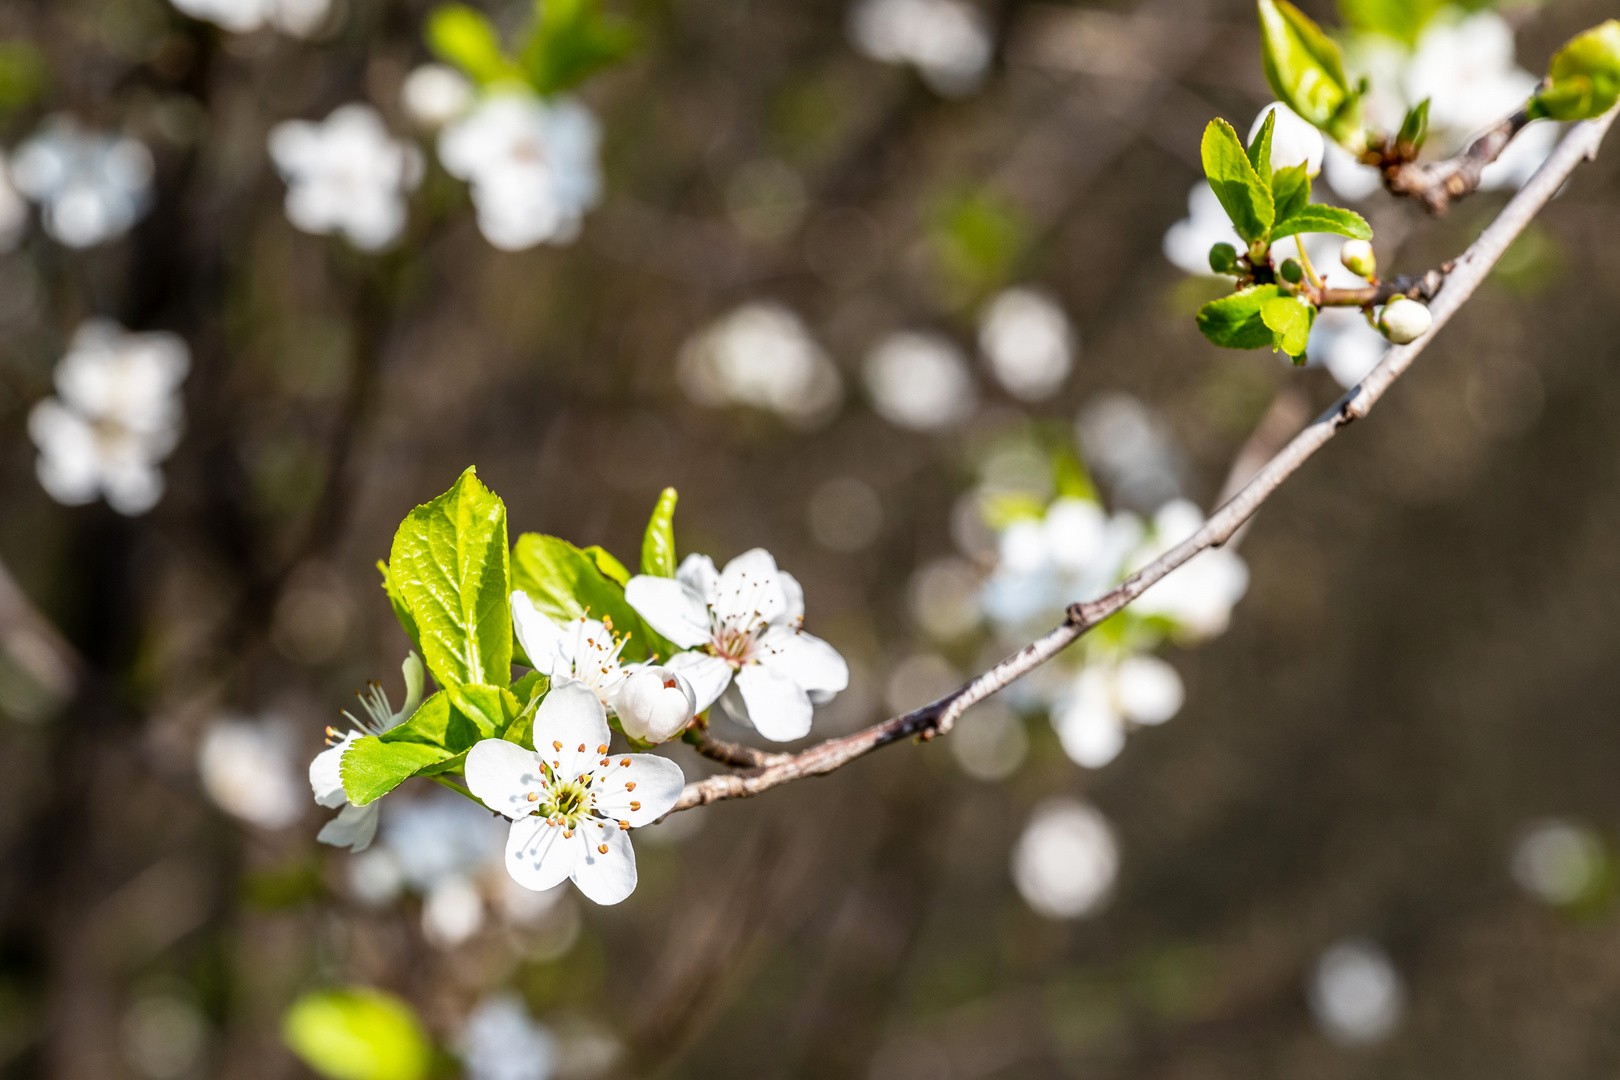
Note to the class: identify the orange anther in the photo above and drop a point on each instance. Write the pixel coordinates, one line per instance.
(625, 763)
(602, 848)
(634, 805)
(534, 796)
(630, 785)
(556, 744)
(602, 749)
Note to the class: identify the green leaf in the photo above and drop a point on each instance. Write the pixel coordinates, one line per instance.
(450, 565)
(1235, 322)
(565, 583)
(1260, 145)
(24, 73)
(357, 1033)
(402, 612)
(610, 567)
(1583, 77)
(658, 542)
(491, 708)
(1291, 189)
(1415, 128)
(1245, 197)
(1317, 218)
(571, 41)
(464, 37)
(529, 692)
(1402, 20)
(1289, 320)
(1304, 68)
(436, 733)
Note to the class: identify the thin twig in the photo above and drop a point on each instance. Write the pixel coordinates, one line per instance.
(1438, 184)
(1581, 144)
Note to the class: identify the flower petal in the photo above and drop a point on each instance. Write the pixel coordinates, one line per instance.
(569, 728)
(538, 856)
(503, 775)
(324, 778)
(804, 658)
(353, 828)
(670, 607)
(1092, 734)
(698, 572)
(658, 782)
(748, 589)
(778, 707)
(793, 594)
(545, 643)
(708, 675)
(606, 877)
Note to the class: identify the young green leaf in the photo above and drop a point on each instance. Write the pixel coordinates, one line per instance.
(1304, 68)
(491, 708)
(529, 691)
(1316, 218)
(565, 582)
(658, 542)
(450, 565)
(1415, 128)
(1289, 320)
(1583, 79)
(1245, 197)
(572, 40)
(436, 733)
(1235, 322)
(357, 1033)
(1291, 190)
(611, 568)
(462, 36)
(402, 611)
(1260, 145)
(1403, 20)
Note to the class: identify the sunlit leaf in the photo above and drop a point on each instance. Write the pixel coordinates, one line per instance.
(357, 1033)
(1235, 322)
(1245, 197)
(658, 542)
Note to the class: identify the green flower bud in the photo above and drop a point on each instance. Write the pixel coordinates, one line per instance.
(1357, 257)
(1583, 79)
(1404, 320)
(1292, 272)
(1223, 259)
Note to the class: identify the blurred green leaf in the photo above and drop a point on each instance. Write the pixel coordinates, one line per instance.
(402, 611)
(1245, 197)
(463, 36)
(1583, 79)
(1402, 20)
(1291, 190)
(1305, 70)
(23, 74)
(450, 565)
(1069, 476)
(571, 41)
(978, 236)
(1003, 508)
(357, 1033)
(1235, 322)
(1289, 320)
(1317, 218)
(1414, 128)
(565, 583)
(658, 542)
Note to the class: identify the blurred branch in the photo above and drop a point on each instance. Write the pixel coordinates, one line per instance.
(1438, 184)
(34, 644)
(937, 718)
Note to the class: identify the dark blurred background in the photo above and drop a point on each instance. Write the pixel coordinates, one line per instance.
(1423, 666)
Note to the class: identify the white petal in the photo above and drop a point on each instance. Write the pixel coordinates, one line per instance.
(325, 779)
(570, 727)
(548, 646)
(1148, 690)
(1092, 734)
(778, 707)
(749, 589)
(353, 828)
(804, 658)
(671, 607)
(698, 571)
(708, 675)
(606, 877)
(503, 775)
(793, 593)
(658, 782)
(538, 856)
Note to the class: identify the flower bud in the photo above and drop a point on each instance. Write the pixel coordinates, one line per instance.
(654, 704)
(1223, 258)
(1292, 272)
(1404, 320)
(1357, 257)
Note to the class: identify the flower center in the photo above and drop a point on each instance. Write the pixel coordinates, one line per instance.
(568, 803)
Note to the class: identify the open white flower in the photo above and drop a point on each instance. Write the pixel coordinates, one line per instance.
(742, 630)
(585, 649)
(532, 166)
(572, 805)
(355, 826)
(947, 40)
(346, 174)
(90, 187)
(1199, 595)
(1091, 717)
(1073, 553)
(300, 18)
(115, 416)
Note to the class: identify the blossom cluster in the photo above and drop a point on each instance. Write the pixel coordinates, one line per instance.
(90, 186)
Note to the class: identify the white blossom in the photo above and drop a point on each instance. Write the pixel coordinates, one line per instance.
(1187, 242)
(1092, 715)
(1346, 344)
(761, 355)
(1198, 596)
(1294, 140)
(1028, 342)
(435, 94)
(1066, 860)
(532, 165)
(948, 41)
(90, 187)
(116, 415)
(300, 18)
(246, 767)
(1072, 553)
(920, 381)
(1356, 993)
(355, 826)
(346, 174)
(13, 209)
(745, 646)
(571, 803)
(500, 1041)
(586, 649)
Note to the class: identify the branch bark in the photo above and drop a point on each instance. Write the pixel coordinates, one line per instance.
(1438, 184)
(937, 718)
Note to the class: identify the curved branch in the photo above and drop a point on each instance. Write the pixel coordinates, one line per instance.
(936, 718)
(1438, 184)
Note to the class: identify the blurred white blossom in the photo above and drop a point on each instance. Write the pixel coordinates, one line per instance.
(1198, 596)
(1131, 449)
(452, 911)
(90, 187)
(989, 741)
(920, 381)
(532, 165)
(247, 769)
(13, 209)
(948, 41)
(1066, 860)
(1346, 344)
(761, 355)
(1028, 342)
(346, 174)
(1187, 242)
(1355, 993)
(1072, 553)
(300, 18)
(1091, 716)
(1557, 862)
(1294, 140)
(500, 1041)
(435, 94)
(116, 415)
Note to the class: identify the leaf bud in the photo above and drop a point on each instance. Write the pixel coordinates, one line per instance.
(1223, 259)
(1357, 257)
(654, 704)
(1404, 320)
(1583, 79)
(1292, 272)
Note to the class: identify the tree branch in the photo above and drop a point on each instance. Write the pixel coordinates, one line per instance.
(1438, 184)
(936, 718)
